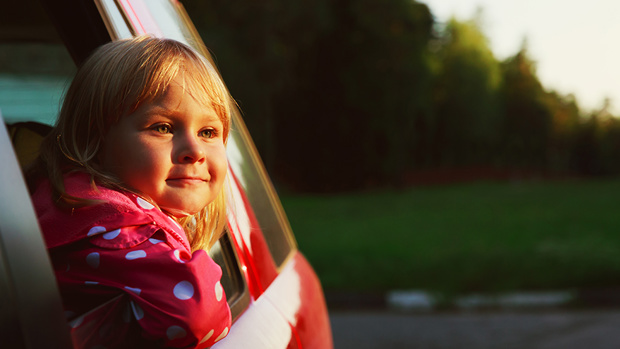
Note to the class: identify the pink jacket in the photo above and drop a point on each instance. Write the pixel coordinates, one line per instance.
(126, 273)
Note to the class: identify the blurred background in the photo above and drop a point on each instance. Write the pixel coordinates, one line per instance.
(409, 155)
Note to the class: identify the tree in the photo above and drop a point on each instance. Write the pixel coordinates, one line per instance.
(468, 114)
(528, 118)
(368, 82)
(565, 119)
(258, 46)
(331, 90)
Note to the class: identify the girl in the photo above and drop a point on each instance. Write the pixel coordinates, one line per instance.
(128, 190)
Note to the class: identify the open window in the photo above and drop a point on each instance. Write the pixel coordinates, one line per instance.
(35, 69)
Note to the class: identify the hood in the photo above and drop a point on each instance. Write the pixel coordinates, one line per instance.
(119, 209)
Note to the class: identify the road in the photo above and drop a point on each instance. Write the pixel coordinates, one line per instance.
(583, 329)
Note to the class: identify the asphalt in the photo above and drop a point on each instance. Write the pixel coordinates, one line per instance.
(557, 329)
(416, 301)
(571, 319)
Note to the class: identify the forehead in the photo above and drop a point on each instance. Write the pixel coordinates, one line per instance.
(189, 85)
(181, 86)
(195, 79)
(178, 98)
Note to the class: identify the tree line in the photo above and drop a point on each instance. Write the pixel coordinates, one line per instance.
(350, 94)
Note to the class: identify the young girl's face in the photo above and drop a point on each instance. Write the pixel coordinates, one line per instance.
(171, 149)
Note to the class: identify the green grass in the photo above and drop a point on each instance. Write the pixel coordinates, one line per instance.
(480, 237)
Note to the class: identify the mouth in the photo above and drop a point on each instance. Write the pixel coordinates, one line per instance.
(185, 181)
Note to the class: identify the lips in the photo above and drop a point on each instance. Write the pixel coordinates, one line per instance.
(195, 178)
(185, 180)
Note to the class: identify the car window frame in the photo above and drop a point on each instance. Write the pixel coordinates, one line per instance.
(238, 298)
(34, 313)
(282, 252)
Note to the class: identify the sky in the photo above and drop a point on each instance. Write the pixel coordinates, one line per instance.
(575, 44)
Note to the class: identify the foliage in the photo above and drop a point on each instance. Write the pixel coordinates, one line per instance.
(328, 87)
(467, 100)
(527, 116)
(350, 94)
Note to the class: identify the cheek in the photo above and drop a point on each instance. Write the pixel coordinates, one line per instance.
(218, 163)
(129, 161)
(143, 166)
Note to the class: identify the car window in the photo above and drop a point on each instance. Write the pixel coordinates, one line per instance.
(250, 172)
(169, 19)
(33, 77)
(232, 281)
(260, 193)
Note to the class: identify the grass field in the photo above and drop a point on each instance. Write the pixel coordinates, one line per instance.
(478, 237)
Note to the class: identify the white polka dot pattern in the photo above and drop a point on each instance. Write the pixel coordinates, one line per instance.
(93, 260)
(137, 311)
(177, 254)
(184, 290)
(96, 230)
(171, 292)
(175, 332)
(222, 335)
(155, 241)
(219, 291)
(135, 255)
(111, 235)
(206, 338)
(137, 291)
(144, 204)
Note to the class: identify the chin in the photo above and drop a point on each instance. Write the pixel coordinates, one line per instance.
(179, 212)
(182, 207)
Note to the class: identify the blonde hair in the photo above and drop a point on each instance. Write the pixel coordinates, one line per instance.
(113, 82)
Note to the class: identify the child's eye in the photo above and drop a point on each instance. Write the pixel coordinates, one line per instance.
(163, 129)
(208, 133)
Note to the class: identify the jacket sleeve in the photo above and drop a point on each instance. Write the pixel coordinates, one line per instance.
(174, 297)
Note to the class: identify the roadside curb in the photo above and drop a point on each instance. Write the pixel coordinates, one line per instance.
(422, 301)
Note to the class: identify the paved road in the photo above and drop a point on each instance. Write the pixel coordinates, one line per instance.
(493, 330)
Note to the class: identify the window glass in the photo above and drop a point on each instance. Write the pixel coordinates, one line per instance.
(114, 19)
(260, 193)
(223, 254)
(169, 22)
(250, 172)
(33, 77)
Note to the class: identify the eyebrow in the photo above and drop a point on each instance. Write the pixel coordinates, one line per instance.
(155, 109)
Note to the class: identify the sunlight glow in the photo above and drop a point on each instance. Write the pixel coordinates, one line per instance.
(573, 43)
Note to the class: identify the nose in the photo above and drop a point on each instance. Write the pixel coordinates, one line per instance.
(189, 149)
